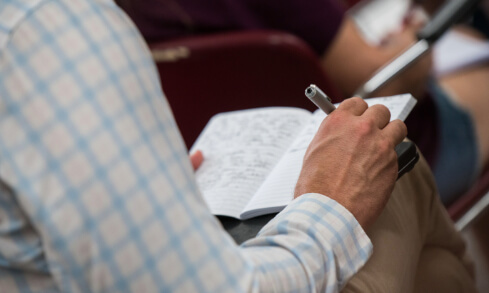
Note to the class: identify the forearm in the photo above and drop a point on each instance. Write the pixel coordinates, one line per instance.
(318, 242)
(350, 61)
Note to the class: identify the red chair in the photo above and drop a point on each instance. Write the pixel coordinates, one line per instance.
(205, 75)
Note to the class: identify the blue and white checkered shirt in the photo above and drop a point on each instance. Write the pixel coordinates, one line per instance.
(96, 190)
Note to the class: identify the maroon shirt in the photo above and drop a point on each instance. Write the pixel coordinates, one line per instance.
(315, 21)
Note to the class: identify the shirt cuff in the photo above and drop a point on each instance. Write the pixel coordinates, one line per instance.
(333, 226)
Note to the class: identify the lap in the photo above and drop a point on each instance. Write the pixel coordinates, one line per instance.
(413, 219)
(436, 263)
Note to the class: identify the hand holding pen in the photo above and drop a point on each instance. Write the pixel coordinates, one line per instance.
(351, 158)
(407, 154)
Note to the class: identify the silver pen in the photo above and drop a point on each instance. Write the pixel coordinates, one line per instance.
(320, 99)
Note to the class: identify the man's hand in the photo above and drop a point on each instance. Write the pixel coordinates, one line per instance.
(352, 159)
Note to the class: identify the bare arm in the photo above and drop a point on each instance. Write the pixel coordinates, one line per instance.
(350, 61)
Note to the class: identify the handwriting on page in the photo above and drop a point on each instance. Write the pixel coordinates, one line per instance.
(278, 189)
(240, 149)
(307, 134)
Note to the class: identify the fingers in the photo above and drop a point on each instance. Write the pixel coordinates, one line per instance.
(396, 131)
(354, 105)
(196, 159)
(379, 115)
(416, 19)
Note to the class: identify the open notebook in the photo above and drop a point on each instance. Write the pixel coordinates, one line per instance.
(253, 157)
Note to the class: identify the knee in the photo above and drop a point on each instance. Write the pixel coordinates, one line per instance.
(439, 270)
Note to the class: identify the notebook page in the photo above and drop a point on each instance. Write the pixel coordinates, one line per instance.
(240, 149)
(278, 190)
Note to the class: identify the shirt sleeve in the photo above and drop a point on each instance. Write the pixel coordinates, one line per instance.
(98, 171)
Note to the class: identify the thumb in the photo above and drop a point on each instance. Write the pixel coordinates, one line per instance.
(196, 159)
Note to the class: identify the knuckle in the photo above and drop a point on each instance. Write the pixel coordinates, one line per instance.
(333, 120)
(385, 146)
(382, 112)
(386, 112)
(355, 102)
(365, 128)
(401, 127)
(359, 102)
(370, 121)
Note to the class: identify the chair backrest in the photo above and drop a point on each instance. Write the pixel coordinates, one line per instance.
(205, 75)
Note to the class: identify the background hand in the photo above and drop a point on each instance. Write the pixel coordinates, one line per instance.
(196, 159)
(350, 61)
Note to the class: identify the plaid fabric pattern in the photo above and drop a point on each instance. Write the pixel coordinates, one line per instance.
(96, 190)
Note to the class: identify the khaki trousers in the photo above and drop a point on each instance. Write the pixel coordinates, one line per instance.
(416, 247)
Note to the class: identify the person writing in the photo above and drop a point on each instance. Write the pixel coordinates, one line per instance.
(97, 193)
(448, 124)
